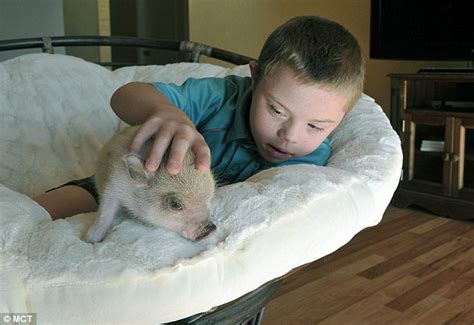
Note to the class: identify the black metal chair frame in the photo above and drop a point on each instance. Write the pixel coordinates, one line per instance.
(48, 43)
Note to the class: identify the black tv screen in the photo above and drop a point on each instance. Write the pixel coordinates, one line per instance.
(422, 30)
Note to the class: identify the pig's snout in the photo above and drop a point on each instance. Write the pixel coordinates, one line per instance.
(205, 231)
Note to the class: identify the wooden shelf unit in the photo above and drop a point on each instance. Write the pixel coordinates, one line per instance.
(433, 114)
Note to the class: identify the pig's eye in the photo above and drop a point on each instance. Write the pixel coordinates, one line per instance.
(174, 204)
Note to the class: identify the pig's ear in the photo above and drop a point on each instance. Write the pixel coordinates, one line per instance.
(136, 169)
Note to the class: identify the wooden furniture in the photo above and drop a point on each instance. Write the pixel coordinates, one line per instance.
(434, 115)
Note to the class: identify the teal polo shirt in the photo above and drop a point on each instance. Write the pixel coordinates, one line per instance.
(219, 108)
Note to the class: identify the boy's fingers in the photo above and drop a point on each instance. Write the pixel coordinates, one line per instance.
(178, 150)
(158, 149)
(203, 156)
(144, 133)
(178, 138)
(139, 140)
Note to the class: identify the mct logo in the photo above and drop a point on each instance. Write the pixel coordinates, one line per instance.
(18, 318)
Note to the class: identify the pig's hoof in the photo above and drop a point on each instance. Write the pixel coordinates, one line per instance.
(92, 237)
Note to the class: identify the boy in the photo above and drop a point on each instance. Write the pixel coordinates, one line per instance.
(309, 74)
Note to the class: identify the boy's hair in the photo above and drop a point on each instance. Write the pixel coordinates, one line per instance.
(318, 51)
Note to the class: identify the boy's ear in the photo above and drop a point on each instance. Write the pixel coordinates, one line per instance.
(136, 169)
(253, 67)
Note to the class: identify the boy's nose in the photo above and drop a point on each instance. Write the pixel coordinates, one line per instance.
(288, 133)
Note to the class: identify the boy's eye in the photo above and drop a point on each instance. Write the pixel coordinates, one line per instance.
(274, 110)
(315, 128)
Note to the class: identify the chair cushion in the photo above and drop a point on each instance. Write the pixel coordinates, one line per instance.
(56, 116)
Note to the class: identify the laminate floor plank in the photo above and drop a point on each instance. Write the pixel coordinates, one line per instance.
(412, 268)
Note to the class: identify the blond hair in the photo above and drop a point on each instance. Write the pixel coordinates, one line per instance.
(318, 50)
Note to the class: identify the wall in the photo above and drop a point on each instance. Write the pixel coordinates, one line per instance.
(37, 18)
(81, 18)
(29, 18)
(243, 25)
(88, 17)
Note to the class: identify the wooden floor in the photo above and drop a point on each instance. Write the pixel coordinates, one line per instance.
(413, 268)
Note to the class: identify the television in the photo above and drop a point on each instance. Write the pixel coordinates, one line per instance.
(440, 30)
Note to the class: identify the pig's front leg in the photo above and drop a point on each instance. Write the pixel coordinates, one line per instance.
(107, 210)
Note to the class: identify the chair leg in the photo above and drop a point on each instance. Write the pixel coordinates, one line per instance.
(256, 320)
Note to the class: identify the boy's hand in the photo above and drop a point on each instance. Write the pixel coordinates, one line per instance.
(171, 128)
(162, 122)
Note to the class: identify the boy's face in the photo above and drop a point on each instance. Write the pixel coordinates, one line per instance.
(291, 119)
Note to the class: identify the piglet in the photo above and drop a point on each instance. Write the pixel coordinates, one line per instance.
(179, 203)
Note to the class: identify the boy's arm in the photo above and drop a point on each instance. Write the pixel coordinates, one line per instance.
(140, 103)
